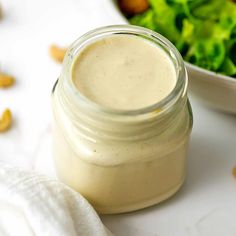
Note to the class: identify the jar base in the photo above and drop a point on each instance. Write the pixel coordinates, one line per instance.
(139, 206)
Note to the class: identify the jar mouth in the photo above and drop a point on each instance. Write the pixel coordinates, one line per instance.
(181, 75)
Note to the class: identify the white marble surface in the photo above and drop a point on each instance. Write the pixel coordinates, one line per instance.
(205, 206)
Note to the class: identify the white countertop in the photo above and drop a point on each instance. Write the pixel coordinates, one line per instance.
(205, 206)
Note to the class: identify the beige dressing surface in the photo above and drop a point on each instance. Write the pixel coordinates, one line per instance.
(124, 72)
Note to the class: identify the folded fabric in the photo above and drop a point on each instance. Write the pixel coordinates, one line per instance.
(32, 204)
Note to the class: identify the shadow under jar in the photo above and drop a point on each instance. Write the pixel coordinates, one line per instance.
(121, 160)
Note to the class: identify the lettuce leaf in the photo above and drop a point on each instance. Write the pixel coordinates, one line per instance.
(207, 53)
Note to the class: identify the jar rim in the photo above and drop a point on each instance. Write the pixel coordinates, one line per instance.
(178, 91)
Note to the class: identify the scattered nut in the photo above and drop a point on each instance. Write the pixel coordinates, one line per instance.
(132, 7)
(234, 172)
(6, 80)
(5, 120)
(57, 53)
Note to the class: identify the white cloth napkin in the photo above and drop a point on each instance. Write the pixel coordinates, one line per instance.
(32, 204)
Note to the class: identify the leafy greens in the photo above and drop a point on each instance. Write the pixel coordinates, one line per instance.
(204, 31)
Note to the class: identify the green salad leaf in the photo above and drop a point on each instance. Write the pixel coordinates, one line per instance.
(206, 53)
(147, 20)
(204, 31)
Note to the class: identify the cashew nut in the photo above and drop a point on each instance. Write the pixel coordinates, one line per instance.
(57, 53)
(5, 120)
(6, 80)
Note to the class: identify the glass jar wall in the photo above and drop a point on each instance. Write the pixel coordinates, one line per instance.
(121, 160)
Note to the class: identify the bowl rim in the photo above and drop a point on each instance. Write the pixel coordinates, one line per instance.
(188, 64)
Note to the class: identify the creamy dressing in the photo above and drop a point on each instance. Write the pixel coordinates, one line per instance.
(128, 165)
(124, 72)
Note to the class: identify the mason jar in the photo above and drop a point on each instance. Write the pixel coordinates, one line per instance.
(121, 160)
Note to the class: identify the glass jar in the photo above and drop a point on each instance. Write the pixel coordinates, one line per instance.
(121, 160)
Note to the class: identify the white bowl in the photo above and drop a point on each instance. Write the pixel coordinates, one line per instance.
(216, 90)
